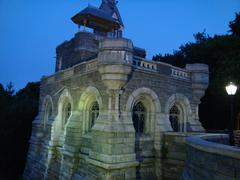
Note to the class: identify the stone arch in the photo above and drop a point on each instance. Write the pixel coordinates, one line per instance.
(46, 99)
(183, 104)
(151, 101)
(89, 96)
(46, 107)
(59, 126)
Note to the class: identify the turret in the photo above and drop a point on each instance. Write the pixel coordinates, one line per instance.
(115, 59)
(200, 79)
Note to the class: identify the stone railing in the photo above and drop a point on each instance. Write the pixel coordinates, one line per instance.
(209, 158)
(84, 67)
(180, 73)
(145, 64)
(137, 62)
(91, 66)
(237, 138)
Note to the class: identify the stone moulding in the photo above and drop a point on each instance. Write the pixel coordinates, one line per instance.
(203, 143)
(112, 166)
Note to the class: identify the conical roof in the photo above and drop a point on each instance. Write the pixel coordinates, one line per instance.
(96, 18)
(105, 18)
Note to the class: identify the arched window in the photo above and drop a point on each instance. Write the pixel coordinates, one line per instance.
(139, 116)
(94, 112)
(47, 114)
(175, 118)
(67, 110)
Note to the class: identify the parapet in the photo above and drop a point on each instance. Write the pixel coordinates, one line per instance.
(83, 47)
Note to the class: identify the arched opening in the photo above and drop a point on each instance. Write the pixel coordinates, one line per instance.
(66, 113)
(65, 116)
(47, 114)
(58, 132)
(93, 114)
(180, 113)
(176, 118)
(139, 117)
(90, 105)
(144, 107)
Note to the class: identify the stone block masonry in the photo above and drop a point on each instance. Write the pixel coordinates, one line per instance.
(211, 160)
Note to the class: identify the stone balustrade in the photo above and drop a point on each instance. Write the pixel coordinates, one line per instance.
(180, 73)
(84, 67)
(145, 64)
(92, 66)
(138, 63)
(237, 138)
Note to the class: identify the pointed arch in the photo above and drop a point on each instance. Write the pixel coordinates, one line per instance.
(149, 99)
(64, 112)
(47, 109)
(178, 102)
(90, 105)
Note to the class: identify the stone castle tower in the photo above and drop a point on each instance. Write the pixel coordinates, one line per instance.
(104, 111)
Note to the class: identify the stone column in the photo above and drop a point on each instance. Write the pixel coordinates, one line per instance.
(200, 81)
(112, 153)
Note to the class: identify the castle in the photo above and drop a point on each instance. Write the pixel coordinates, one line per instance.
(104, 111)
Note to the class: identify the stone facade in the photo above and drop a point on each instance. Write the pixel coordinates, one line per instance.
(103, 113)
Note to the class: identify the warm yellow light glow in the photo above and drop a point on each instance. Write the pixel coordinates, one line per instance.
(231, 89)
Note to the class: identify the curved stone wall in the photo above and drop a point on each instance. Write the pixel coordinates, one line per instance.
(209, 158)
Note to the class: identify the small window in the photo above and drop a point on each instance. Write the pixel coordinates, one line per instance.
(175, 118)
(67, 110)
(94, 113)
(47, 114)
(138, 116)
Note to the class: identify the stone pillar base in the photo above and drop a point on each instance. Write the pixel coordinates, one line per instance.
(125, 171)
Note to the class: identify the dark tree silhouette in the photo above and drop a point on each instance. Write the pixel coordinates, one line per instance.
(235, 25)
(17, 113)
(10, 89)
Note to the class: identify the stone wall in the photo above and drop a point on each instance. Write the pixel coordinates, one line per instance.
(209, 160)
(174, 155)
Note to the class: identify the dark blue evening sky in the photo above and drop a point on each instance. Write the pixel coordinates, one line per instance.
(30, 29)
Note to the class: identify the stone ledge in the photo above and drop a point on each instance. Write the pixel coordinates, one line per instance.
(113, 166)
(200, 142)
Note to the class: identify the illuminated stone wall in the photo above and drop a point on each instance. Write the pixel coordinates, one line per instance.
(64, 144)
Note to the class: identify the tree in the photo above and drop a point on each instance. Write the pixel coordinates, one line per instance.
(201, 37)
(10, 89)
(235, 25)
(17, 114)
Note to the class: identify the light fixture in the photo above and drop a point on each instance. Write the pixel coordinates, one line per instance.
(231, 89)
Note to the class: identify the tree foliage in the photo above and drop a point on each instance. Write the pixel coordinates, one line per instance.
(17, 113)
(222, 54)
(235, 25)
